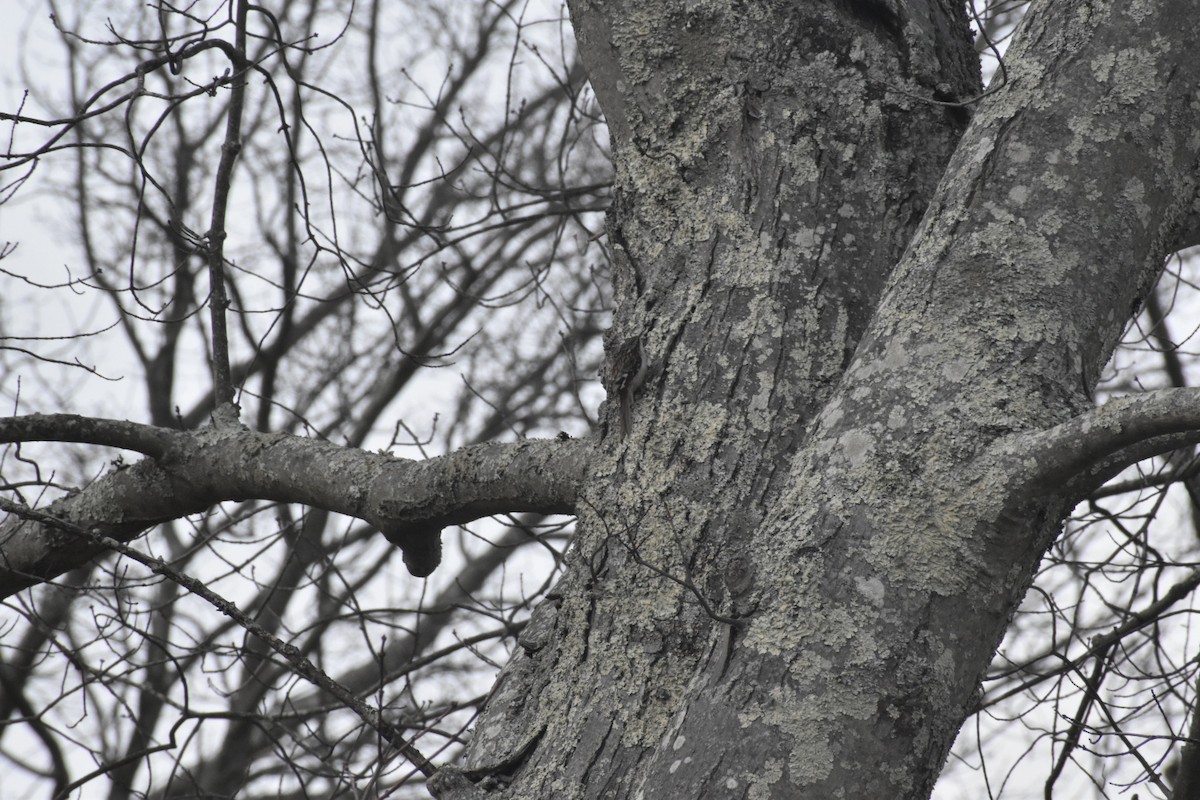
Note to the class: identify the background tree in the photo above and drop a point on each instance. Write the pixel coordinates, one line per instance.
(868, 407)
(378, 229)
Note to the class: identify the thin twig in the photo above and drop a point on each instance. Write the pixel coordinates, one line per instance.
(218, 300)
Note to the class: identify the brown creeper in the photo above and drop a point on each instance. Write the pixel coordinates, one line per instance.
(625, 371)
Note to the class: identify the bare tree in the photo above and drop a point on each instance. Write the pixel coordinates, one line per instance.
(388, 216)
(863, 318)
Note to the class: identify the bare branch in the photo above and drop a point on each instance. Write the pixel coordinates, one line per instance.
(1086, 450)
(218, 299)
(145, 439)
(410, 501)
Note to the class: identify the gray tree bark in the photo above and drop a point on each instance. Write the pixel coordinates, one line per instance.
(841, 475)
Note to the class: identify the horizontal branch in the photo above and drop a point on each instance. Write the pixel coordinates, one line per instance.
(145, 439)
(1080, 454)
(410, 501)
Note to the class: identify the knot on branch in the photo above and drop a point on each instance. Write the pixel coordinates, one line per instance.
(421, 547)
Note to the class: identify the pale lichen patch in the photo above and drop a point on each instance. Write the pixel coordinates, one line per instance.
(706, 426)
(761, 783)
(856, 446)
(1050, 223)
(871, 588)
(957, 369)
(1140, 10)
(1135, 193)
(1133, 71)
(1019, 195)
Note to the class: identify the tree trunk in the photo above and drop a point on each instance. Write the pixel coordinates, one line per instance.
(791, 573)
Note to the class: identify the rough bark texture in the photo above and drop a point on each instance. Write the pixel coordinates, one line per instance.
(791, 574)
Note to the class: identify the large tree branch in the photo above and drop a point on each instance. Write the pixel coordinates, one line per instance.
(410, 501)
(1086, 450)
